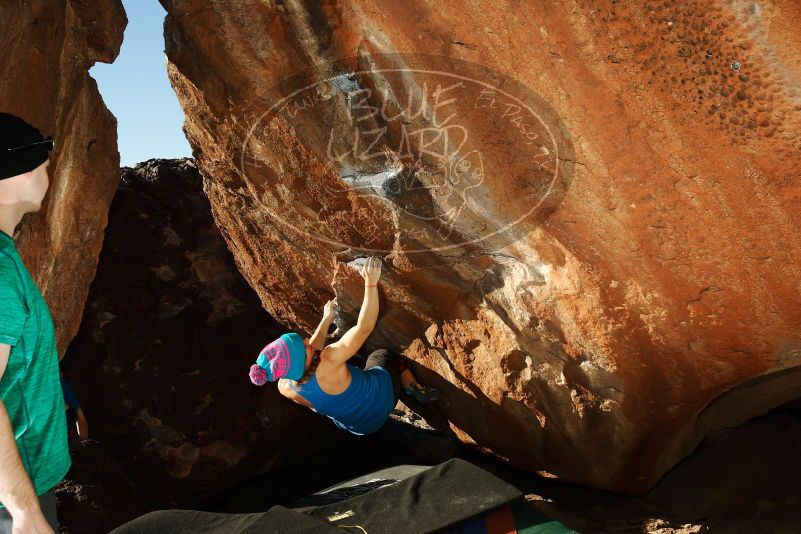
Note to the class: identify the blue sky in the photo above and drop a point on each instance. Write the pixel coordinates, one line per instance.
(136, 90)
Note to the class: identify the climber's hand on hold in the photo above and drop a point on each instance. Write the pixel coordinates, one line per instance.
(328, 309)
(371, 270)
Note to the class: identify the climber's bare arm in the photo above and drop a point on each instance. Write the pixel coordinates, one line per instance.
(348, 345)
(345, 347)
(318, 338)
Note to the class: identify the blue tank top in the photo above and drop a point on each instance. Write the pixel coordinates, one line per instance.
(360, 409)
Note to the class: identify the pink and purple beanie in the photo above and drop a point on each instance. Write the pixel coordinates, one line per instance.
(283, 358)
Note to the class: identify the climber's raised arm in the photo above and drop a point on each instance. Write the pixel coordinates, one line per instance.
(343, 349)
(371, 272)
(318, 338)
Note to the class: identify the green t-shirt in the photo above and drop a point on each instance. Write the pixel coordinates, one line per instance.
(31, 386)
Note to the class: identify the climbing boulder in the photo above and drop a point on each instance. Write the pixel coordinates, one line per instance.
(588, 213)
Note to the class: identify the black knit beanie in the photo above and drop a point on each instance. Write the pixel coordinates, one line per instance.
(16, 156)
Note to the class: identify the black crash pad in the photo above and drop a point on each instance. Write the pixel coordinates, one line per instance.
(431, 500)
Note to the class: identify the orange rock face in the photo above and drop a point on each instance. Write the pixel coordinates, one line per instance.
(48, 48)
(588, 214)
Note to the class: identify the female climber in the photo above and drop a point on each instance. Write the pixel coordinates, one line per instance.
(320, 378)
